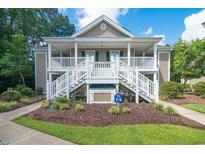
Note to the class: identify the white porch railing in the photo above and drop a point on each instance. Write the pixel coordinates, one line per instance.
(140, 62)
(103, 70)
(64, 62)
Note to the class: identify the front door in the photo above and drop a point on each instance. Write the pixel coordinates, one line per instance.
(114, 55)
(90, 55)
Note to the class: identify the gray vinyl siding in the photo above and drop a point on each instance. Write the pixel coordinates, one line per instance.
(40, 70)
(164, 67)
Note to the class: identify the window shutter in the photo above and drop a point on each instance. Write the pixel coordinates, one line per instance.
(83, 53)
(108, 56)
(96, 56)
(121, 53)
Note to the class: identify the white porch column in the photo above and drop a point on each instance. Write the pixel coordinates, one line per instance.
(137, 90)
(128, 53)
(155, 55)
(68, 86)
(156, 86)
(76, 54)
(61, 60)
(88, 94)
(49, 55)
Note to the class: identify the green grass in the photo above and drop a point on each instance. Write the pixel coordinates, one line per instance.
(124, 134)
(196, 107)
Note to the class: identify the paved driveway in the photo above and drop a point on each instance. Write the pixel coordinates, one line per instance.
(12, 133)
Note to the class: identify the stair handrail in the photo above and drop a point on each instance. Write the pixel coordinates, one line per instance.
(144, 83)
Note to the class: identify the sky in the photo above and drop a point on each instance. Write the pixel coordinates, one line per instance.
(171, 24)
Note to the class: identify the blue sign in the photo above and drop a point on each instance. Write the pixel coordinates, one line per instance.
(118, 98)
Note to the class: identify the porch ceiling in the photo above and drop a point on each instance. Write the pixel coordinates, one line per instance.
(139, 46)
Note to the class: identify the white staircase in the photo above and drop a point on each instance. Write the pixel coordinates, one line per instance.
(136, 82)
(130, 78)
(68, 82)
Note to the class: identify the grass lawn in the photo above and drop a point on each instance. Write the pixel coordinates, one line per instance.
(196, 107)
(124, 134)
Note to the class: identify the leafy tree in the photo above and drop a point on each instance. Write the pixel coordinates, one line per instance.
(33, 24)
(188, 59)
(15, 62)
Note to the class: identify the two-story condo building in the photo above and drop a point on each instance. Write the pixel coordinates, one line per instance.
(101, 56)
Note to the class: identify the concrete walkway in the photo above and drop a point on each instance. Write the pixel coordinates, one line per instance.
(12, 133)
(193, 115)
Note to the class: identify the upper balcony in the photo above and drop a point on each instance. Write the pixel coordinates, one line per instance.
(63, 63)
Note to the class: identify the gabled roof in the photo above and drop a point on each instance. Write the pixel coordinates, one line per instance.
(97, 21)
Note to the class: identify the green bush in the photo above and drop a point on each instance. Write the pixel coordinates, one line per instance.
(39, 90)
(171, 90)
(72, 102)
(62, 100)
(62, 106)
(7, 105)
(170, 110)
(199, 88)
(203, 96)
(25, 100)
(45, 104)
(125, 101)
(19, 87)
(26, 91)
(11, 96)
(126, 110)
(79, 107)
(187, 87)
(158, 106)
(114, 110)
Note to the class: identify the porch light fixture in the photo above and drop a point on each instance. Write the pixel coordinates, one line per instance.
(203, 24)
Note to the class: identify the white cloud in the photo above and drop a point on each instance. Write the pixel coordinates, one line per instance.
(193, 26)
(162, 42)
(86, 15)
(148, 31)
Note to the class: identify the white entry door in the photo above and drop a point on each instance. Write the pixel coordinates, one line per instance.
(114, 55)
(90, 55)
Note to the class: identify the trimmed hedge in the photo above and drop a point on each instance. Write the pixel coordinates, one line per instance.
(39, 90)
(11, 96)
(26, 91)
(171, 90)
(199, 88)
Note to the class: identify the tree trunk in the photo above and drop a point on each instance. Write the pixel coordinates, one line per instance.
(22, 78)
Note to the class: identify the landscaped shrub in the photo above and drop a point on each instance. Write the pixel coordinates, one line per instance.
(26, 91)
(25, 100)
(114, 110)
(7, 105)
(79, 107)
(199, 88)
(11, 96)
(125, 101)
(19, 87)
(203, 96)
(158, 106)
(62, 106)
(72, 102)
(62, 100)
(39, 90)
(45, 104)
(170, 110)
(187, 87)
(126, 110)
(170, 90)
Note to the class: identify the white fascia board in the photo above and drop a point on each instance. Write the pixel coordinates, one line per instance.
(97, 21)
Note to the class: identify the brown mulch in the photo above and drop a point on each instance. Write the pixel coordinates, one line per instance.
(97, 115)
(33, 98)
(188, 98)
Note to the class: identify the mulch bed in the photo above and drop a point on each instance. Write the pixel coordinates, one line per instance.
(97, 115)
(33, 98)
(188, 98)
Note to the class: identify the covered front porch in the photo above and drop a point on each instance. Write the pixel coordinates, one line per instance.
(136, 53)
